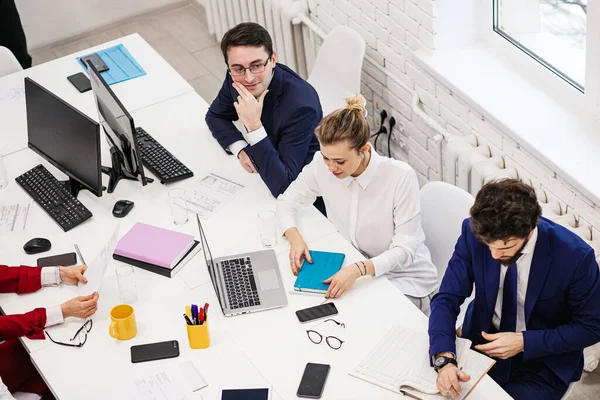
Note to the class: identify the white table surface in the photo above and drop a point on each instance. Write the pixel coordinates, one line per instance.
(161, 82)
(252, 350)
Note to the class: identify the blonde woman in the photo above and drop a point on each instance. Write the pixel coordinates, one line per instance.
(372, 200)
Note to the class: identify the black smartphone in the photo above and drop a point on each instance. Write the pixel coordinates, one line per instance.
(80, 81)
(63, 260)
(96, 62)
(313, 381)
(316, 312)
(154, 351)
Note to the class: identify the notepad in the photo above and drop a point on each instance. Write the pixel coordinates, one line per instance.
(311, 276)
(121, 65)
(400, 363)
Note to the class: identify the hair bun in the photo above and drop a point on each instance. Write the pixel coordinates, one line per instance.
(356, 102)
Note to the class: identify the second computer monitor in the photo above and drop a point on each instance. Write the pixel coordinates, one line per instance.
(65, 137)
(119, 128)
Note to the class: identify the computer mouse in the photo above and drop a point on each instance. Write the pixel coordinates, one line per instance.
(37, 245)
(122, 208)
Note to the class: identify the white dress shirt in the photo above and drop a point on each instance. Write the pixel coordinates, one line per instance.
(252, 138)
(523, 268)
(51, 277)
(378, 212)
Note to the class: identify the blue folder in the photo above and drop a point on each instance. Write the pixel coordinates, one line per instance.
(121, 65)
(311, 276)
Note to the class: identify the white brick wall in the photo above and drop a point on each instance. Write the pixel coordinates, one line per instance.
(393, 29)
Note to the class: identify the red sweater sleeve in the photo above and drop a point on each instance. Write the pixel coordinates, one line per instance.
(30, 324)
(20, 280)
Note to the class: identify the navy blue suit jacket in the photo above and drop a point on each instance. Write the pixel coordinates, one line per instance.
(562, 304)
(291, 112)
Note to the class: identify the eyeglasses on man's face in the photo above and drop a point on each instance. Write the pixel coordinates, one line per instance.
(79, 338)
(254, 69)
(332, 341)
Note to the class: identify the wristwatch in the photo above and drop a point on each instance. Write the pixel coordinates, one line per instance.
(442, 361)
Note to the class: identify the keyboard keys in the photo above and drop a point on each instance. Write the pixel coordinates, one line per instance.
(240, 283)
(53, 197)
(159, 160)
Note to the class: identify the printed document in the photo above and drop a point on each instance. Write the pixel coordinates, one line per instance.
(213, 192)
(13, 217)
(95, 271)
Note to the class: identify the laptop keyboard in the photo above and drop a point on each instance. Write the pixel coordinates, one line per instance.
(239, 281)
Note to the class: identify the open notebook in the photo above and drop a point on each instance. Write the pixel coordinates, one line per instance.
(400, 363)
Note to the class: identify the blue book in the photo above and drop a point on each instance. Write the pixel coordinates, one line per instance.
(311, 276)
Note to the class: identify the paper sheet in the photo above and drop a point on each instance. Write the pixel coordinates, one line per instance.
(95, 271)
(175, 382)
(13, 217)
(213, 192)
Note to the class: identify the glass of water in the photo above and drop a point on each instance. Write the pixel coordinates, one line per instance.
(3, 173)
(177, 198)
(268, 228)
(126, 281)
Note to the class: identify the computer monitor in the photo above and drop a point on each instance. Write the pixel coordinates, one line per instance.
(64, 136)
(120, 133)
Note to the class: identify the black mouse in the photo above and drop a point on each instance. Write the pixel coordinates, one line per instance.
(37, 245)
(122, 208)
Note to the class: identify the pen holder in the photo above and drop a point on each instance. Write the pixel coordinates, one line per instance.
(198, 335)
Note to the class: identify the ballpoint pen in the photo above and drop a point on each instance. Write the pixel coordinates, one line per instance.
(79, 254)
(187, 320)
(205, 311)
(195, 314)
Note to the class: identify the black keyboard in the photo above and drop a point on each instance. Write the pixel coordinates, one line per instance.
(159, 161)
(53, 197)
(239, 281)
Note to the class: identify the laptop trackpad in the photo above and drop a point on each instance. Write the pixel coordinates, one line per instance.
(268, 279)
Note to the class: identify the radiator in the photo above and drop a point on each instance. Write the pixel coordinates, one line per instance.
(290, 41)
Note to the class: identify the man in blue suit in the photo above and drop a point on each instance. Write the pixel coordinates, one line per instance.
(537, 301)
(278, 109)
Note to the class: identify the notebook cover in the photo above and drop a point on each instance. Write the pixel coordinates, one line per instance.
(121, 65)
(169, 273)
(153, 245)
(311, 276)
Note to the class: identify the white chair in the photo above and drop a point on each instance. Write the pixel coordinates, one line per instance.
(8, 62)
(443, 209)
(338, 67)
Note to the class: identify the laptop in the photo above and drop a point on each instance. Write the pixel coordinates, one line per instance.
(246, 282)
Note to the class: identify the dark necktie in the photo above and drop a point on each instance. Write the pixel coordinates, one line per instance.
(508, 319)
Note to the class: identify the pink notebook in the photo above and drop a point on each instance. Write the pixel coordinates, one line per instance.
(154, 245)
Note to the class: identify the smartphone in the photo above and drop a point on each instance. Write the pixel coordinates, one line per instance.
(80, 81)
(312, 313)
(245, 394)
(313, 381)
(63, 260)
(96, 62)
(154, 351)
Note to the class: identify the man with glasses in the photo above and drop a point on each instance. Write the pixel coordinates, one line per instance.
(278, 109)
(16, 370)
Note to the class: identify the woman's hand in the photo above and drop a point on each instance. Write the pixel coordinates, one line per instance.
(298, 251)
(342, 280)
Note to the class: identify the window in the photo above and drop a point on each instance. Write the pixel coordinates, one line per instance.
(553, 32)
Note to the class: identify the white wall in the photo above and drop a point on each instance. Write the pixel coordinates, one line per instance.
(48, 21)
(393, 29)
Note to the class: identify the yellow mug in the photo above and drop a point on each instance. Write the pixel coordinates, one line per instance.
(123, 325)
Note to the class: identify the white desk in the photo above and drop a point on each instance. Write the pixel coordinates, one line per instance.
(161, 82)
(251, 350)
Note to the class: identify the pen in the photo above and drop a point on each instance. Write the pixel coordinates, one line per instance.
(205, 311)
(195, 314)
(188, 311)
(201, 316)
(79, 254)
(187, 320)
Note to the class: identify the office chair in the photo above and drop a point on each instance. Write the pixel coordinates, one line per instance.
(443, 209)
(8, 62)
(338, 67)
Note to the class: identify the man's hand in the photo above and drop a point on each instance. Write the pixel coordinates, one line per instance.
(248, 107)
(246, 162)
(81, 307)
(342, 281)
(449, 379)
(73, 274)
(502, 345)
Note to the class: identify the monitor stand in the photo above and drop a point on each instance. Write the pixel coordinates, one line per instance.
(72, 186)
(118, 171)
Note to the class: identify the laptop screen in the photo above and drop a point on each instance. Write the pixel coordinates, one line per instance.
(209, 259)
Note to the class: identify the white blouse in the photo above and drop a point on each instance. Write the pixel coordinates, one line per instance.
(378, 212)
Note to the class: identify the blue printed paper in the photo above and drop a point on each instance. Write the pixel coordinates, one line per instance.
(121, 65)
(325, 264)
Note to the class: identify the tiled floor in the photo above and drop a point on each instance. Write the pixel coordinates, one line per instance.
(180, 35)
